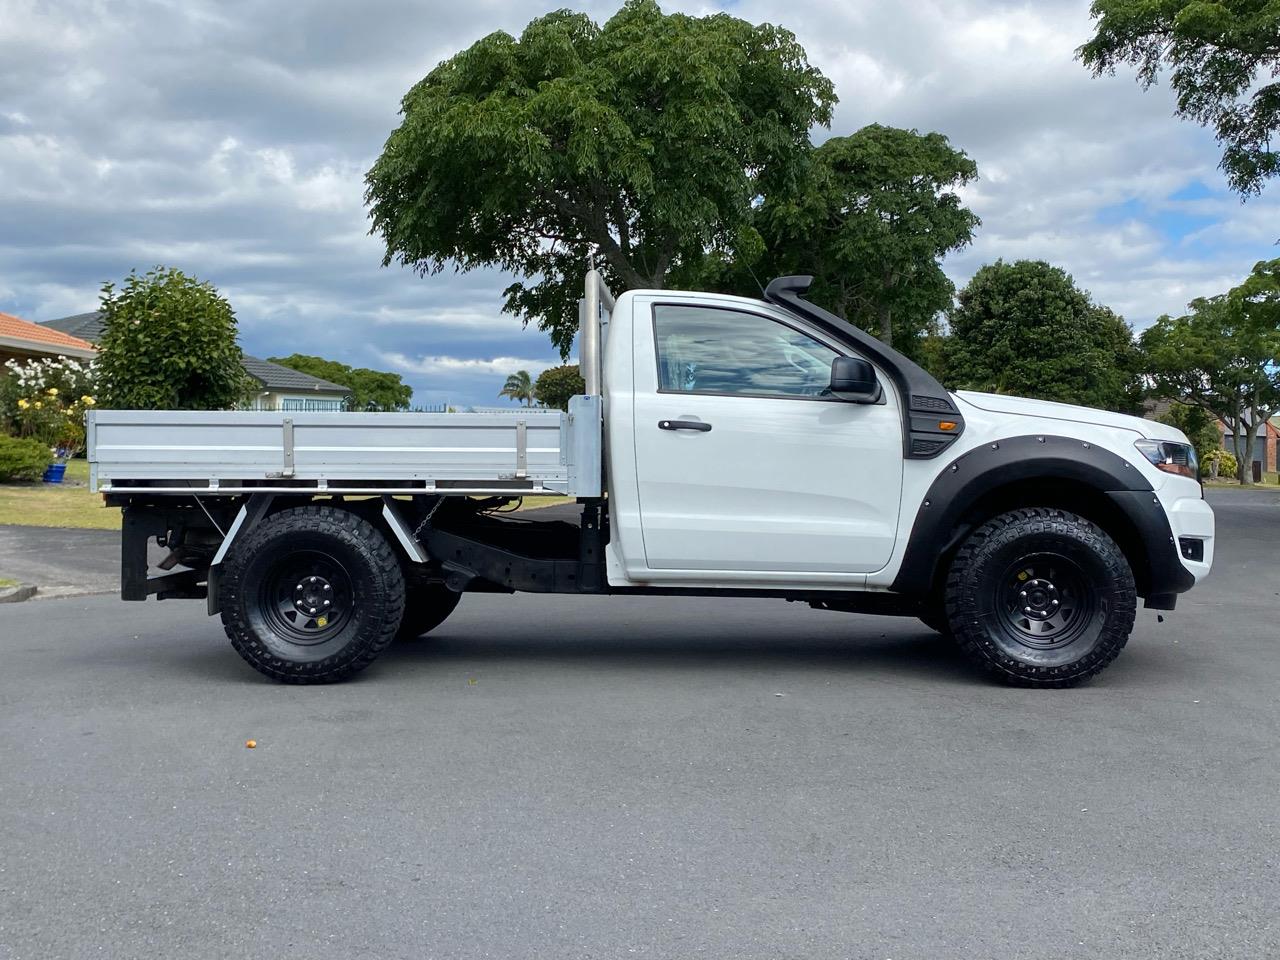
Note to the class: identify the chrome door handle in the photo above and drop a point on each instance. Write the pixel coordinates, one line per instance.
(684, 425)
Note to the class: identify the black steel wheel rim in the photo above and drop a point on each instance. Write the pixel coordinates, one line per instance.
(306, 597)
(1045, 601)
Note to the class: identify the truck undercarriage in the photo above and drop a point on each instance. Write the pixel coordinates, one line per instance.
(474, 545)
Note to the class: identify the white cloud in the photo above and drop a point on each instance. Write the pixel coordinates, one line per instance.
(461, 366)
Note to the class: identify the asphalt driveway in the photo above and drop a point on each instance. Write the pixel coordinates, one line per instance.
(615, 777)
(64, 562)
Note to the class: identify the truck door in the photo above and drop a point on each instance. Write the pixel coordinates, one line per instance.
(742, 463)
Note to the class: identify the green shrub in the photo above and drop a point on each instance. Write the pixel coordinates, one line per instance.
(1226, 460)
(168, 343)
(22, 459)
(557, 384)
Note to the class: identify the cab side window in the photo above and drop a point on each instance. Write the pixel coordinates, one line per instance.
(709, 350)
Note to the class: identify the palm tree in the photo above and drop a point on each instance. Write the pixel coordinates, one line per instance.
(519, 386)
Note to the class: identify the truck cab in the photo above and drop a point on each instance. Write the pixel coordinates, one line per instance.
(723, 446)
(736, 460)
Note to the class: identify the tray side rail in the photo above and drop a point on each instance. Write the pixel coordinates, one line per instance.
(229, 451)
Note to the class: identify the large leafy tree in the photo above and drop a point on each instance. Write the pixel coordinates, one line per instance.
(1224, 356)
(871, 221)
(647, 138)
(1220, 54)
(168, 343)
(370, 389)
(1025, 328)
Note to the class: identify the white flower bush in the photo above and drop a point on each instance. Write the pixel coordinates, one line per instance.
(47, 399)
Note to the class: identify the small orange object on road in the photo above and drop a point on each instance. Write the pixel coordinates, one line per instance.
(251, 744)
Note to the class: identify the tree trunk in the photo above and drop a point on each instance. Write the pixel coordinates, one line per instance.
(1234, 421)
(886, 311)
(1245, 463)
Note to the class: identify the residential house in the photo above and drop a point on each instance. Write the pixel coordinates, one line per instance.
(22, 340)
(286, 389)
(86, 326)
(279, 388)
(1266, 444)
(1273, 441)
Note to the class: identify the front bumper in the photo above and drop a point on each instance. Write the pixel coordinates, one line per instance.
(1191, 520)
(1160, 526)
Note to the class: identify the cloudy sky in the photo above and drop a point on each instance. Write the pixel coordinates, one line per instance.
(230, 138)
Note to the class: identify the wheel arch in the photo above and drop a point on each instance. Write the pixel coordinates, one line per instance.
(1037, 470)
(383, 514)
(280, 630)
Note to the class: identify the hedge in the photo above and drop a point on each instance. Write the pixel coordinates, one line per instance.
(22, 459)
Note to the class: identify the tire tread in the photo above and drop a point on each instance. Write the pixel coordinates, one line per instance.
(982, 651)
(358, 534)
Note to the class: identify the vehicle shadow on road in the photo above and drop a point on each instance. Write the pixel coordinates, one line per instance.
(918, 653)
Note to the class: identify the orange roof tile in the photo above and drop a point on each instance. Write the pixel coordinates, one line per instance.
(15, 328)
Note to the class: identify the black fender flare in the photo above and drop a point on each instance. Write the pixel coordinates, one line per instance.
(973, 475)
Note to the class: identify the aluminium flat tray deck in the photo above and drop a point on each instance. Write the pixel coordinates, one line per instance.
(229, 452)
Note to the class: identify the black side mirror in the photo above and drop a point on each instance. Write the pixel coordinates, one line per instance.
(854, 380)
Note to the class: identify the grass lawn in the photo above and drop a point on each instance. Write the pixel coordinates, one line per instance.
(1268, 480)
(66, 504)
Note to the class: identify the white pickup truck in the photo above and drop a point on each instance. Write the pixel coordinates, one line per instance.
(723, 447)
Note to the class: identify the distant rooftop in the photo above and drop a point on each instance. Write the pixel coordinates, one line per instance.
(272, 376)
(17, 332)
(275, 377)
(86, 326)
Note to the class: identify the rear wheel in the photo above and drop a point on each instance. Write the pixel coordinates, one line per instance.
(311, 595)
(427, 605)
(1041, 597)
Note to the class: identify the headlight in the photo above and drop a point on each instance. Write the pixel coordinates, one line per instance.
(1179, 458)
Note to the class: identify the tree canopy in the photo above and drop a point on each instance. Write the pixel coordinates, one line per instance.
(648, 138)
(873, 218)
(1220, 55)
(1224, 356)
(1025, 328)
(519, 387)
(556, 385)
(1199, 426)
(370, 389)
(168, 343)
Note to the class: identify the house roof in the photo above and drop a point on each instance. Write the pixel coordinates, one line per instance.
(272, 376)
(25, 335)
(86, 326)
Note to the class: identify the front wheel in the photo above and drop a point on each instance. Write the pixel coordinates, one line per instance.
(311, 595)
(1041, 597)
